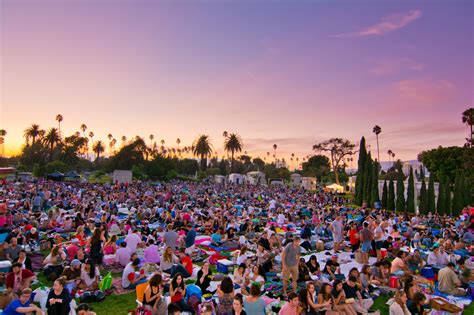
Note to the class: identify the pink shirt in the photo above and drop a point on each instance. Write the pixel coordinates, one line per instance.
(288, 309)
(151, 254)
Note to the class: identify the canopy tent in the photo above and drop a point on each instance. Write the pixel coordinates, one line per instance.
(335, 187)
(55, 176)
(72, 174)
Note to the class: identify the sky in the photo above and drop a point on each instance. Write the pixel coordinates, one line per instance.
(291, 73)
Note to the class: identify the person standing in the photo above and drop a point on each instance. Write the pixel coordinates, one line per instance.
(289, 261)
(336, 229)
(366, 237)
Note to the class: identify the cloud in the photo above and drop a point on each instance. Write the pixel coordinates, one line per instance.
(427, 92)
(387, 24)
(394, 66)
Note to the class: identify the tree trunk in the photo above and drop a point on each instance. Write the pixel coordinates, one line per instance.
(336, 175)
(232, 162)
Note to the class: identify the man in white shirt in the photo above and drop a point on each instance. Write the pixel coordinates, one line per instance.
(438, 257)
(123, 254)
(133, 240)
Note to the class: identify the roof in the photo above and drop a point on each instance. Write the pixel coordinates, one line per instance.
(56, 174)
(72, 174)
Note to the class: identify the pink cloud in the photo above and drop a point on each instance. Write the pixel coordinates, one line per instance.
(428, 92)
(394, 66)
(387, 24)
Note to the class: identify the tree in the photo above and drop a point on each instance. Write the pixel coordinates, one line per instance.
(384, 195)
(59, 119)
(391, 196)
(3, 133)
(259, 164)
(98, 149)
(275, 151)
(468, 119)
(400, 206)
(389, 152)
(232, 144)
(430, 202)
(317, 166)
(448, 200)
(411, 192)
(367, 180)
(338, 149)
(52, 139)
(441, 204)
(202, 148)
(33, 133)
(423, 206)
(377, 130)
(359, 185)
(444, 161)
(375, 183)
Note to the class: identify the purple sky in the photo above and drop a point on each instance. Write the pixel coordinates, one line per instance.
(286, 72)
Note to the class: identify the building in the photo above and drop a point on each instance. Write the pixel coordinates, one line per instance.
(219, 179)
(255, 178)
(309, 183)
(122, 176)
(235, 178)
(295, 180)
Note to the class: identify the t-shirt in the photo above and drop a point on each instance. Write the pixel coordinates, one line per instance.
(255, 308)
(353, 237)
(291, 254)
(337, 226)
(397, 265)
(188, 264)
(170, 238)
(447, 280)
(10, 280)
(128, 275)
(13, 252)
(72, 251)
(351, 292)
(122, 256)
(11, 308)
(132, 241)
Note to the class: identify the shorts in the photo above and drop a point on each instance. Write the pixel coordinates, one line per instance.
(337, 238)
(366, 247)
(378, 245)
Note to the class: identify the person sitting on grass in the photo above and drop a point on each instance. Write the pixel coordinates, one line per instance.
(399, 306)
(72, 275)
(22, 305)
(174, 309)
(89, 276)
(84, 309)
(130, 277)
(18, 279)
(291, 306)
(178, 292)
(152, 298)
(58, 298)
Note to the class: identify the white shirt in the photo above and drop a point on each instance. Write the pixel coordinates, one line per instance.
(396, 309)
(132, 241)
(281, 218)
(128, 270)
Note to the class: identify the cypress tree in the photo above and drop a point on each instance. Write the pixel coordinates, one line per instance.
(375, 183)
(400, 206)
(411, 192)
(367, 180)
(441, 204)
(359, 185)
(458, 198)
(391, 196)
(448, 199)
(423, 198)
(430, 198)
(384, 195)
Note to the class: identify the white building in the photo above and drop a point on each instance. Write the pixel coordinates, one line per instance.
(219, 179)
(122, 176)
(255, 178)
(295, 180)
(235, 178)
(309, 183)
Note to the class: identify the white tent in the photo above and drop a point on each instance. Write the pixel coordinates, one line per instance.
(335, 187)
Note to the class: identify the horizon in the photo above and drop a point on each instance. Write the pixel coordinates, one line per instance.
(293, 74)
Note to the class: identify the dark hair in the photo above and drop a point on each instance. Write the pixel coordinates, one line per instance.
(61, 281)
(336, 283)
(418, 297)
(303, 297)
(17, 264)
(174, 282)
(227, 286)
(123, 244)
(239, 298)
(400, 254)
(92, 271)
(352, 279)
(136, 261)
(173, 308)
(323, 293)
(155, 280)
(255, 289)
(292, 295)
(353, 270)
(84, 307)
(451, 264)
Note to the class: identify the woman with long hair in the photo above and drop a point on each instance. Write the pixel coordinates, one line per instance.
(89, 276)
(168, 258)
(417, 307)
(238, 305)
(152, 297)
(95, 244)
(399, 306)
(225, 292)
(178, 292)
(325, 301)
(110, 247)
(339, 299)
(204, 277)
(53, 263)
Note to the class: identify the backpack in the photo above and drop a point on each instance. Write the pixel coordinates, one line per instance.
(106, 283)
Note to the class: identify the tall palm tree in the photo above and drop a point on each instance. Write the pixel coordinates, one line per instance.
(225, 134)
(98, 148)
(377, 130)
(83, 128)
(275, 151)
(109, 136)
(3, 133)
(468, 119)
(151, 137)
(33, 133)
(233, 143)
(113, 143)
(52, 139)
(389, 152)
(91, 135)
(162, 142)
(59, 119)
(178, 141)
(202, 147)
(124, 139)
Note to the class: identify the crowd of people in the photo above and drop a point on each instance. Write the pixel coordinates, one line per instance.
(292, 251)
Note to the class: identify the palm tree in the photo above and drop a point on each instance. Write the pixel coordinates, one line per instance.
(162, 142)
(91, 135)
(109, 136)
(98, 148)
(3, 133)
(468, 119)
(275, 150)
(389, 152)
(52, 139)
(225, 134)
(233, 143)
(178, 141)
(124, 139)
(59, 118)
(83, 128)
(202, 147)
(113, 143)
(377, 130)
(33, 133)
(151, 137)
